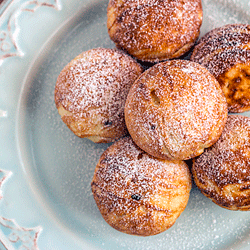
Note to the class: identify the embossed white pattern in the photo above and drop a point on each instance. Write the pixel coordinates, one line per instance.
(13, 236)
(4, 175)
(9, 28)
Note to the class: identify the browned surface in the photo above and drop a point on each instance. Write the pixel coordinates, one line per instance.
(235, 84)
(139, 194)
(91, 90)
(154, 30)
(225, 52)
(222, 172)
(175, 109)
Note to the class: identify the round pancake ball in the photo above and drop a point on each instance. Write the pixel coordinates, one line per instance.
(225, 52)
(91, 91)
(222, 172)
(139, 194)
(175, 109)
(154, 30)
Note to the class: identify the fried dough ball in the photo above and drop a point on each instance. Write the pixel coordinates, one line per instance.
(138, 194)
(91, 91)
(222, 172)
(175, 109)
(225, 52)
(154, 30)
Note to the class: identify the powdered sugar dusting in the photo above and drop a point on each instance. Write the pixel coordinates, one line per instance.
(224, 168)
(189, 114)
(161, 27)
(66, 163)
(97, 81)
(127, 160)
(129, 181)
(223, 47)
(227, 161)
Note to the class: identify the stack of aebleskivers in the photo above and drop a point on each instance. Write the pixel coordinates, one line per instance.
(174, 111)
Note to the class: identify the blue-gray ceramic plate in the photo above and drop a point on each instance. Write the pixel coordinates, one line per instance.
(45, 171)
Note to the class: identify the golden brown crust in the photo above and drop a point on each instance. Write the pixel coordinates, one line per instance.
(154, 30)
(222, 172)
(225, 52)
(175, 109)
(91, 90)
(235, 84)
(139, 194)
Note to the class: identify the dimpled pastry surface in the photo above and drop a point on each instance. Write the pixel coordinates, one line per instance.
(222, 172)
(154, 30)
(139, 194)
(225, 52)
(175, 109)
(91, 91)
